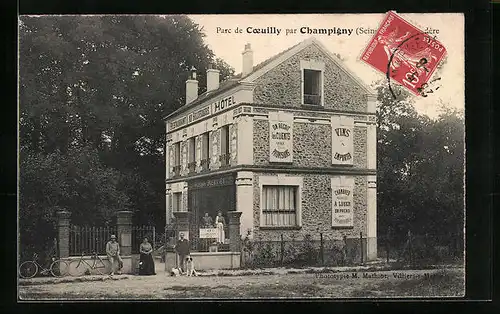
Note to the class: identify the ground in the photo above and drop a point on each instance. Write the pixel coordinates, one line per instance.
(324, 283)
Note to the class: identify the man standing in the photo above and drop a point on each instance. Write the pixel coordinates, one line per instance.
(113, 253)
(182, 249)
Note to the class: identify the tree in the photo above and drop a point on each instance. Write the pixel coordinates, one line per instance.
(93, 91)
(420, 168)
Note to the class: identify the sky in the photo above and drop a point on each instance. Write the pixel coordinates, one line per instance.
(448, 29)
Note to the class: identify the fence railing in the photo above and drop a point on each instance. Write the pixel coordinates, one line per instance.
(84, 239)
(138, 235)
(304, 251)
(321, 250)
(89, 239)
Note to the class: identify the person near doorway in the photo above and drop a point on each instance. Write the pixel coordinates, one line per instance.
(220, 223)
(182, 248)
(146, 262)
(207, 221)
(113, 253)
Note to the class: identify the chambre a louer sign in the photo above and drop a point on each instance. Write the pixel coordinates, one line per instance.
(281, 140)
(342, 202)
(215, 107)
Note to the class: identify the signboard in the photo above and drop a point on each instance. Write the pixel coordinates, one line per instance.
(208, 233)
(342, 202)
(281, 138)
(217, 106)
(342, 140)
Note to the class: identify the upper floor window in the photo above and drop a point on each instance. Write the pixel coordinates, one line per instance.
(176, 148)
(312, 87)
(205, 150)
(225, 145)
(191, 154)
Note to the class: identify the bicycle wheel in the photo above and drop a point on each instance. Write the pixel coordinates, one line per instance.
(77, 268)
(100, 267)
(59, 268)
(28, 269)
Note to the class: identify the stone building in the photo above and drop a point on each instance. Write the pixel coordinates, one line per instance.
(289, 143)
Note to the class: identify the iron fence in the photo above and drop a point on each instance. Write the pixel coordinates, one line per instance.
(303, 251)
(138, 235)
(85, 239)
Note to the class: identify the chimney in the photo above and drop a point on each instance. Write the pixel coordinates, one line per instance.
(247, 60)
(191, 87)
(212, 79)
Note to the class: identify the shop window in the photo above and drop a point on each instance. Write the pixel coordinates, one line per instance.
(225, 146)
(177, 202)
(191, 155)
(279, 206)
(205, 151)
(312, 87)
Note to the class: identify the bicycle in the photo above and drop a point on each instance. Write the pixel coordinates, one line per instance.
(29, 269)
(81, 266)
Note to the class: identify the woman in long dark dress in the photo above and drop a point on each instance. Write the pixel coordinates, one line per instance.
(146, 265)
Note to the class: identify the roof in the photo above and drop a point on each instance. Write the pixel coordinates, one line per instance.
(236, 79)
(228, 84)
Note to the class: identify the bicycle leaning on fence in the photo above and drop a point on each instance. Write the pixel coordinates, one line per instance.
(80, 266)
(29, 269)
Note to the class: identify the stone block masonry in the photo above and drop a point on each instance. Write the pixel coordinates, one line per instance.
(316, 209)
(282, 85)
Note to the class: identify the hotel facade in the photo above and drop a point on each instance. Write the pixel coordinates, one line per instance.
(289, 143)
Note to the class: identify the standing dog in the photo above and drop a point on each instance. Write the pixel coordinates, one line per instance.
(190, 271)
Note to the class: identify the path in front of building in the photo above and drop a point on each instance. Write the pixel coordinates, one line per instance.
(408, 283)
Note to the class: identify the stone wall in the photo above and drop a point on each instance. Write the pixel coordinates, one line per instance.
(312, 145)
(282, 85)
(316, 210)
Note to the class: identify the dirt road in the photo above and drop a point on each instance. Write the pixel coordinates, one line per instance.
(412, 283)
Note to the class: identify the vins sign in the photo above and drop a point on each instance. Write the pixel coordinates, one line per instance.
(280, 141)
(342, 140)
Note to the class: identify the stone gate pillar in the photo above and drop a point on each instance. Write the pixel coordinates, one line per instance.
(63, 232)
(124, 230)
(234, 231)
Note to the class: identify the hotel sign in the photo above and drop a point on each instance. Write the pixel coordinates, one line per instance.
(216, 107)
(280, 138)
(342, 202)
(342, 140)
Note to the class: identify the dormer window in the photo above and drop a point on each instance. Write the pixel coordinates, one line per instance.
(312, 82)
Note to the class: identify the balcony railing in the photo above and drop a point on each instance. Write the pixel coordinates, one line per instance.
(177, 171)
(225, 160)
(192, 167)
(205, 164)
(312, 99)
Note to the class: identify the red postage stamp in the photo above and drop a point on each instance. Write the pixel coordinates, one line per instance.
(404, 53)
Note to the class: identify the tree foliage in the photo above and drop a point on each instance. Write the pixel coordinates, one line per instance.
(93, 93)
(420, 169)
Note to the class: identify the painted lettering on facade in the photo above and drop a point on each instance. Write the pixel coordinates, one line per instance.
(342, 141)
(280, 141)
(201, 113)
(213, 108)
(342, 202)
(178, 123)
(224, 103)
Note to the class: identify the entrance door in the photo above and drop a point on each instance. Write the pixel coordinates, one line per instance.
(209, 196)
